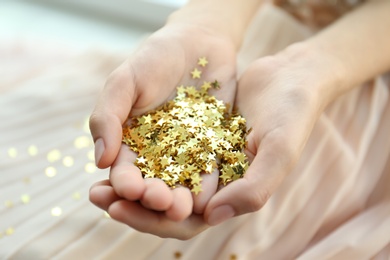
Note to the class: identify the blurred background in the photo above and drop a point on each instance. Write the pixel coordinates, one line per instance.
(115, 25)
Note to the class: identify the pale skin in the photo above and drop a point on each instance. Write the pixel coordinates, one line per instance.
(288, 91)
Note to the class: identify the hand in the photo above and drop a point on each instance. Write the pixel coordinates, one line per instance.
(281, 97)
(148, 79)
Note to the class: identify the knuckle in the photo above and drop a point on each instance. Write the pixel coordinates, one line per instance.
(257, 199)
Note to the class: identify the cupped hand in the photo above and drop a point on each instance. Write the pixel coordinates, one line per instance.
(146, 80)
(281, 97)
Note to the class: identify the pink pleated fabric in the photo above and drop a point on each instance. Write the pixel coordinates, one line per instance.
(334, 205)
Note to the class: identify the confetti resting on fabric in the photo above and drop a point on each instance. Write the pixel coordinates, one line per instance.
(191, 135)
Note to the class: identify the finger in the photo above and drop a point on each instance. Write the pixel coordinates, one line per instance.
(125, 177)
(182, 205)
(250, 193)
(102, 195)
(157, 196)
(209, 188)
(156, 223)
(111, 111)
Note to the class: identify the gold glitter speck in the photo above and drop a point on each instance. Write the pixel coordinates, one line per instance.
(9, 231)
(178, 255)
(50, 172)
(53, 155)
(90, 168)
(91, 155)
(82, 142)
(68, 161)
(25, 198)
(8, 204)
(191, 135)
(76, 196)
(12, 152)
(56, 211)
(32, 150)
(106, 215)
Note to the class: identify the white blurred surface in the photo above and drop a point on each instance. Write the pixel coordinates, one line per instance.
(37, 21)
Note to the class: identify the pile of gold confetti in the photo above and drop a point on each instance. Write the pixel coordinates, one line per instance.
(191, 135)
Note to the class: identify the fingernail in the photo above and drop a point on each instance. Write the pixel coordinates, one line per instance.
(99, 150)
(220, 214)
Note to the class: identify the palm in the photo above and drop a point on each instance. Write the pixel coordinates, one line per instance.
(157, 68)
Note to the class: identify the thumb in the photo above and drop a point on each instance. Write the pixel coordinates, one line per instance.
(250, 193)
(111, 111)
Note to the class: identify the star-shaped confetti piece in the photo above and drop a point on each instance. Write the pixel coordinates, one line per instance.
(196, 74)
(191, 135)
(203, 62)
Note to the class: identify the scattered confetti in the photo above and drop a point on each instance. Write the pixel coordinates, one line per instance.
(50, 172)
(82, 142)
(203, 62)
(68, 161)
(196, 74)
(188, 136)
(53, 155)
(90, 167)
(25, 198)
(8, 204)
(9, 231)
(12, 152)
(32, 150)
(76, 196)
(91, 155)
(106, 215)
(56, 211)
(178, 255)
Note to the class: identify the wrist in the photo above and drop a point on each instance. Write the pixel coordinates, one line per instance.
(224, 18)
(325, 74)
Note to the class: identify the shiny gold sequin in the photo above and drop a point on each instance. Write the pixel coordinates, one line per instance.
(233, 257)
(90, 168)
(27, 180)
(193, 134)
(91, 155)
(68, 161)
(32, 150)
(202, 61)
(82, 142)
(196, 74)
(76, 196)
(56, 211)
(8, 204)
(25, 198)
(50, 171)
(86, 126)
(53, 155)
(178, 255)
(9, 231)
(12, 152)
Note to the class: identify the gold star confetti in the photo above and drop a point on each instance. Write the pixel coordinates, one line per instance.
(53, 155)
(191, 135)
(56, 211)
(8, 204)
(9, 231)
(196, 74)
(32, 150)
(50, 171)
(106, 215)
(25, 198)
(203, 62)
(82, 142)
(68, 161)
(12, 152)
(76, 195)
(178, 255)
(90, 167)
